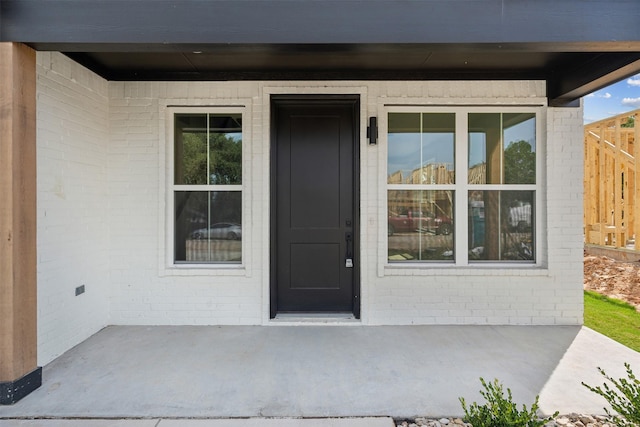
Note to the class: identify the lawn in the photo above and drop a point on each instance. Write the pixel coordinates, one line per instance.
(613, 318)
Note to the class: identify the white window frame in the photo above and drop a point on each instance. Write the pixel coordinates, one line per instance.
(461, 188)
(171, 267)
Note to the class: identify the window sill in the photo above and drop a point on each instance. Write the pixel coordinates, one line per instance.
(467, 270)
(205, 270)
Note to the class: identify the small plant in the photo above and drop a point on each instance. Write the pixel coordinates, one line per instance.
(624, 399)
(501, 411)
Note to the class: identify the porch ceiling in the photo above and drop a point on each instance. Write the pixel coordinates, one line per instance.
(569, 75)
(576, 46)
(341, 61)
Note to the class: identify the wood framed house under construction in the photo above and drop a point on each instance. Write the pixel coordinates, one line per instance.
(611, 181)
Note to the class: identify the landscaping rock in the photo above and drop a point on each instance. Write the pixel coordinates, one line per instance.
(567, 420)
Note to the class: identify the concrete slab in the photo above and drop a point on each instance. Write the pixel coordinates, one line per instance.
(319, 371)
(79, 423)
(283, 422)
(563, 391)
(234, 422)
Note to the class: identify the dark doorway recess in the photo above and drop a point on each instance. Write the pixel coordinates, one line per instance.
(314, 204)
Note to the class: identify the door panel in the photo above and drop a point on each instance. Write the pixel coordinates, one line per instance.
(324, 270)
(314, 206)
(314, 167)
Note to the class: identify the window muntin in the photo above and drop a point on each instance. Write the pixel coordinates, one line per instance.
(207, 188)
(495, 220)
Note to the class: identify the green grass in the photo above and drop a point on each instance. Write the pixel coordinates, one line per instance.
(613, 318)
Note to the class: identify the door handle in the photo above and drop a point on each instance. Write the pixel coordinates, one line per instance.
(348, 236)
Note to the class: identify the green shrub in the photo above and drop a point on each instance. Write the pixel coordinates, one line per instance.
(624, 399)
(500, 411)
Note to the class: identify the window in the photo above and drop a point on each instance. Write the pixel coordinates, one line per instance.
(207, 187)
(494, 217)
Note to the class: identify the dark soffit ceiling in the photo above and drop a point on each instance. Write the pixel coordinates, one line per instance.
(342, 61)
(569, 75)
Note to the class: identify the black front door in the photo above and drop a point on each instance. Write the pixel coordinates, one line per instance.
(314, 265)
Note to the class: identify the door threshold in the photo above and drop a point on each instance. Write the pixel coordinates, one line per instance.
(315, 318)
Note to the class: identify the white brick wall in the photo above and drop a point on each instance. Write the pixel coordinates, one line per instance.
(143, 290)
(550, 294)
(130, 182)
(565, 157)
(72, 137)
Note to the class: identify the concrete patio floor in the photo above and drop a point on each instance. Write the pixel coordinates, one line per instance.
(219, 422)
(319, 371)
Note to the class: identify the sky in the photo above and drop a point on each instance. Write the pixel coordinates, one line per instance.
(613, 100)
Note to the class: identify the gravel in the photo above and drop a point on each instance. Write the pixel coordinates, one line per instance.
(570, 420)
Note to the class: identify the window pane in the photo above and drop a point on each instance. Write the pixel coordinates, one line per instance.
(404, 146)
(501, 225)
(502, 148)
(190, 149)
(519, 148)
(225, 149)
(421, 148)
(420, 225)
(208, 226)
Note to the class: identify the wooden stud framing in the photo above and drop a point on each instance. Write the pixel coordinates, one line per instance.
(636, 175)
(611, 183)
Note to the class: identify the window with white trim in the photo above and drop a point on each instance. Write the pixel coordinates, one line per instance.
(461, 185)
(207, 187)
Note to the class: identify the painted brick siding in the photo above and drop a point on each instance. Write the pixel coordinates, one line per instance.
(103, 221)
(549, 295)
(144, 291)
(565, 157)
(72, 137)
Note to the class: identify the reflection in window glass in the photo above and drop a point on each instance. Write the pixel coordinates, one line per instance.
(421, 148)
(420, 225)
(502, 148)
(501, 225)
(208, 226)
(190, 149)
(208, 149)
